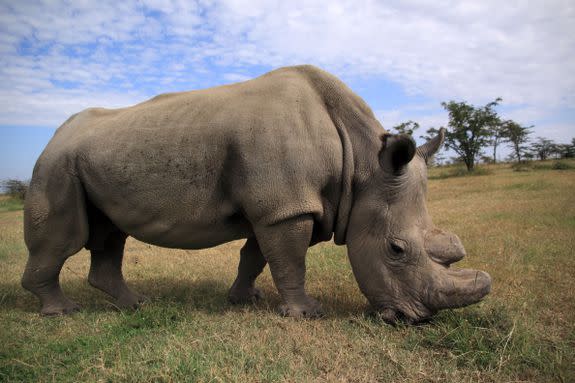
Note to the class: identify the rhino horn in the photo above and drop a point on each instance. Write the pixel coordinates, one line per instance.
(427, 150)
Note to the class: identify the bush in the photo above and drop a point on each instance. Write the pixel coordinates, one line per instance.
(521, 167)
(461, 172)
(557, 165)
(561, 165)
(15, 188)
(542, 166)
(10, 204)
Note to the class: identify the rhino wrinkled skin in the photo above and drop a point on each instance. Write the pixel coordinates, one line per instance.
(286, 160)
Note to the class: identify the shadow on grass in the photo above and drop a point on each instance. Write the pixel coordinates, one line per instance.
(206, 295)
(203, 295)
(210, 297)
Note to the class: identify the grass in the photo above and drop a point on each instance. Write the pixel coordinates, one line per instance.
(10, 204)
(458, 171)
(518, 226)
(544, 165)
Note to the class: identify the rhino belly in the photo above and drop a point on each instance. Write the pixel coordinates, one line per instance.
(165, 208)
(185, 227)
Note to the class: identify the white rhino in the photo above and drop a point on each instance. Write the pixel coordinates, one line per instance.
(286, 160)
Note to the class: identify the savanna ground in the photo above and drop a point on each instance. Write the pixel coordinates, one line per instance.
(518, 226)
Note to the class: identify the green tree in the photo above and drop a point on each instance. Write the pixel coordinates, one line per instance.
(518, 136)
(429, 134)
(406, 127)
(570, 151)
(542, 148)
(562, 150)
(14, 188)
(470, 129)
(498, 136)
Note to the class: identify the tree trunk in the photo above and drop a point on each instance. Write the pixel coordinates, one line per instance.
(495, 153)
(469, 163)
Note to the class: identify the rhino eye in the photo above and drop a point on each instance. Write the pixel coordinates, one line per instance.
(397, 249)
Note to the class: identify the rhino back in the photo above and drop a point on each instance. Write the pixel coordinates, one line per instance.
(196, 169)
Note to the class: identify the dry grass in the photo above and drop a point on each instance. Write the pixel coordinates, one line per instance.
(519, 226)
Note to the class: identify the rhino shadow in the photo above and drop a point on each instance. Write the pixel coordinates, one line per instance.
(202, 295)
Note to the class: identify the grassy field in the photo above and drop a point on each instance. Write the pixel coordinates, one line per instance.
(518, 226)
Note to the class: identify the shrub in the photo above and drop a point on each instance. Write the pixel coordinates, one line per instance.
(521, 167)
(561, 165)
(15, 188)
(461, 172)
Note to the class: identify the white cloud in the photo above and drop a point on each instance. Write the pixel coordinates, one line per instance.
(473, 51)
(558, 132)
(50, 109)
(235, 77)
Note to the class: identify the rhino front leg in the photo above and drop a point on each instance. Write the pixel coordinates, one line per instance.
(284, 245)
(252, 263)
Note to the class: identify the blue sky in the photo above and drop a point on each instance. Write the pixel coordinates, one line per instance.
(403, 57)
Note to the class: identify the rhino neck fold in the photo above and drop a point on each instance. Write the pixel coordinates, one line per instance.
(345, 198)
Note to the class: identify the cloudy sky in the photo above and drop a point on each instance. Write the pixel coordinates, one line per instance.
(403, 57)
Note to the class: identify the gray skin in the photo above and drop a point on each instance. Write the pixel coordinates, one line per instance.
(286, 160)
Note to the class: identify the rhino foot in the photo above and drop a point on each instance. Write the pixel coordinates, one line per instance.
(131, 300)
(311, 308)
(62, 307)
(246, 295)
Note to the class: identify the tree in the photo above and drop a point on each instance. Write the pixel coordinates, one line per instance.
(429, 134)
(542, 147)
(518, 136)
(498, 136)
(487, 159)
(438, 159)
(564, 150)
(570, 149)
(14, 188)
(406, 127)
(470, 129)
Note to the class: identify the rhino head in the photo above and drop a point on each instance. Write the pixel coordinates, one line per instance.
(400, 259)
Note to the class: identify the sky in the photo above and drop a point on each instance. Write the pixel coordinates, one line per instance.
(403, 57)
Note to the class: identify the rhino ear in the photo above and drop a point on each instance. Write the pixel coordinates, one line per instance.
(396, 152)
(427, 150)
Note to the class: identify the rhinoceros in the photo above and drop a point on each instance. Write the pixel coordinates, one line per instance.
(285, 161)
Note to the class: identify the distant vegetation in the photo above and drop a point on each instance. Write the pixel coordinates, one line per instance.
(13, 193)
(472, 130)
(14, 188)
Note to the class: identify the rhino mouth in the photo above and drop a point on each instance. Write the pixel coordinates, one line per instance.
(395, 317)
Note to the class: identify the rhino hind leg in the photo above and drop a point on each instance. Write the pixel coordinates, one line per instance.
(55, 228)
(106, 245)
(41, 277)
(252, 263)
(285, 245)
